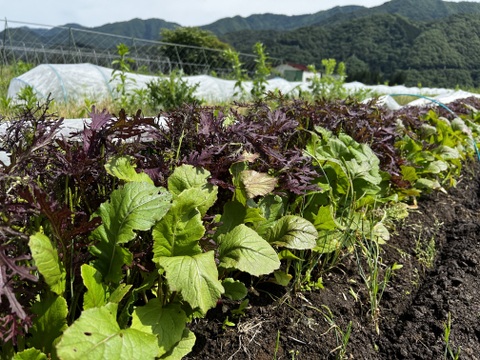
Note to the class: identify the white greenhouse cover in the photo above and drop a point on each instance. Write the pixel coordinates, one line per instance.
(75, 82)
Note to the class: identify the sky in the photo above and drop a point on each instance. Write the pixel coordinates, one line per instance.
(92, 13)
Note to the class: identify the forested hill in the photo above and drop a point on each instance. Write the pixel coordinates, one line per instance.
(143, 29)
(412, 42)
(415, 10)
(279, 22)
(418, 10)
(382, 48)
(428, 42)
(426, 10)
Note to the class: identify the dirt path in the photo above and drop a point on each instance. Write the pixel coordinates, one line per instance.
(413, 310)
(452, 287)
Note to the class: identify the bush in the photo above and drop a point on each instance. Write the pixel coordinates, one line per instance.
(172, 92)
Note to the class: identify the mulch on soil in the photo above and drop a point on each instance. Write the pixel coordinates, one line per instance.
(413, 310)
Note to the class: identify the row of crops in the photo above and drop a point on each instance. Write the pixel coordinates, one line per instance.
(113, 241)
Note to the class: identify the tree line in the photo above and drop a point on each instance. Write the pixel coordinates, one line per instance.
(382, 48)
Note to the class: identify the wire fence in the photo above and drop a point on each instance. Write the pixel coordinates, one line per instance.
(41, 44)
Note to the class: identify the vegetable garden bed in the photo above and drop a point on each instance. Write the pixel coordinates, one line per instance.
(414, 310)
(277, 229)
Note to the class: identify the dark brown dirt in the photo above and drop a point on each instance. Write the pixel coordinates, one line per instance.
(413, 310)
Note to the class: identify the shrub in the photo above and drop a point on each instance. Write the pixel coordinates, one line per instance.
(171, 92)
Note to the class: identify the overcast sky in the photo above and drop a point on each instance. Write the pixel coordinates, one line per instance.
(93, 13)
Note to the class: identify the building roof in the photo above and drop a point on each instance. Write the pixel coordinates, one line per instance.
(299, 66)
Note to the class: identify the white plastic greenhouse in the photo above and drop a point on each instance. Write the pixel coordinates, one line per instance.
(67, 82)
(75, 82)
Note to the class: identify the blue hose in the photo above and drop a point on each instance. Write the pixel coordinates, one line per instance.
(446, 108)
(429, 99)
(476, 149)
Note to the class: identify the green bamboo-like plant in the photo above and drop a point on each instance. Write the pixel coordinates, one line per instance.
(262, 71)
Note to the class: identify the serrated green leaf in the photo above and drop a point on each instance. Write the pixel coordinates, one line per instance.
(346, 162)
(427, 130)
(245, 250)
(239, 195)
(136, 206)
(459, 125)
(293, 232)
(409, 173)
(380, 233)
(119, 293)
(166, 322)
(122, 167)
(427, 184)
(95, 335)
(234, 214)
(110, 263)
(46, 260)
(435, 167)
(186, 177)
(410, 146)
(339, 146)
(286, 254)
(397, 211)
(272, 208)
(253, 215)
(234, 289)
(30, 354)
(195, 277)
(49, 323)
(195, 179)
(96, 294)
(257, 184)
(178, 232)
(324, 220)
(182, 348)
(282, 278)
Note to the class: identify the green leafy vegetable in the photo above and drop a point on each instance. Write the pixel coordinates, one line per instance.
(122, 168)
(245, 250)
(166, 322)
(293, 232)
(46, 260)
(182, 348)
(187, 177)
(195, 278)
(234, 289)
(30, 354)
(178, 232)
(50, 322)
(136, 206)
(96, 295)
(97, 336)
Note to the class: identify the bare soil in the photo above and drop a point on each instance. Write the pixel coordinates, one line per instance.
(413, 311)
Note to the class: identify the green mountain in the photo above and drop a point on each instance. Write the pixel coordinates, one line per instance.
(418, 10)
(382, 48)
(277, 22)
(426, 10)
(135, 28)
(432, 42)
(141, 29)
